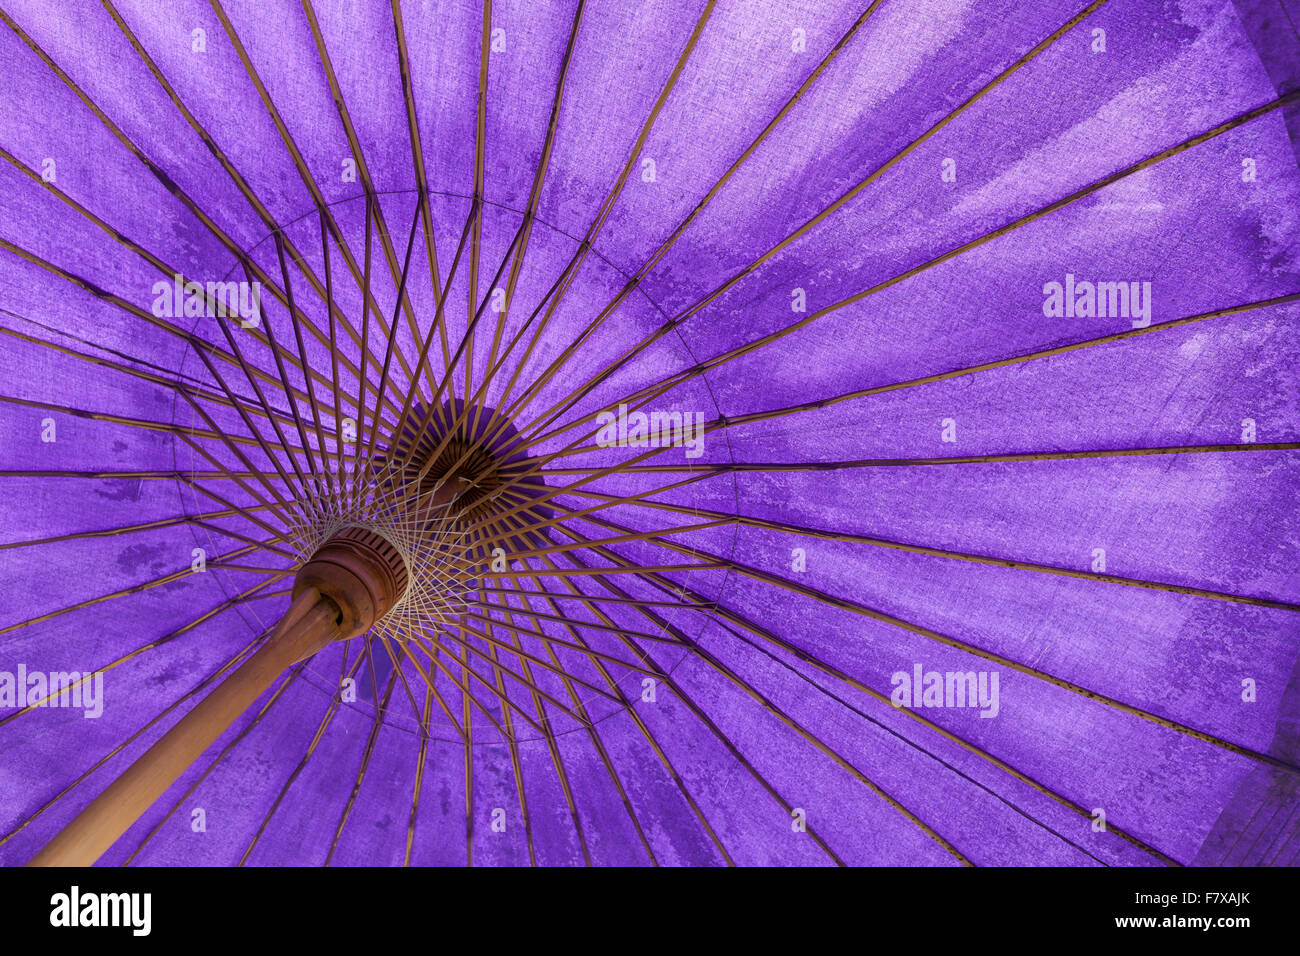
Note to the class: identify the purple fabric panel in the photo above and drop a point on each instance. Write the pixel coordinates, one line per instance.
(882, 343)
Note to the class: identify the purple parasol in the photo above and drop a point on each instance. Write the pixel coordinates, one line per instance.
(672, 432)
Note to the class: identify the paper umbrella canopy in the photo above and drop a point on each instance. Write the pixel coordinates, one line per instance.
(673, 432)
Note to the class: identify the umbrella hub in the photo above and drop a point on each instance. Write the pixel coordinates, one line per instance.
(472, 473)
(362, 572)
(448, 497)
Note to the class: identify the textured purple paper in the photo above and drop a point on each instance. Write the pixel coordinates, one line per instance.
(948, 158)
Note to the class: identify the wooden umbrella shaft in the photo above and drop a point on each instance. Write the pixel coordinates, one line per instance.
(351, 581)
(310, 623)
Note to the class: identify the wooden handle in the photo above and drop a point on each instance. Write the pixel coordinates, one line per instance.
(310, 623)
